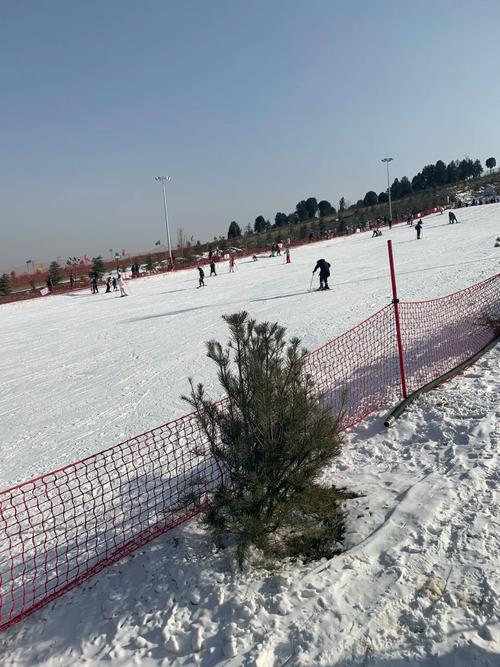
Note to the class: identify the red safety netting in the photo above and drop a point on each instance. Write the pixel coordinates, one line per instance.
(61, 528)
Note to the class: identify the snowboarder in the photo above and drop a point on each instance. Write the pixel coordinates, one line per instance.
(212, 268)
(452, 218)
(418, 228)
(324, 273)
(201, 280)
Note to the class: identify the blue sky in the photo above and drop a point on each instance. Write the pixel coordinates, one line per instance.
(250, 106)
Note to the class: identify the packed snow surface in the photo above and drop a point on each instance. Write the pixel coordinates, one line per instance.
(81, 372)
(417, 584)
(418, 581)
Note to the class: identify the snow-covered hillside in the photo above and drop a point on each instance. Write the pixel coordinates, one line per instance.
(81, 372)
(417, 585)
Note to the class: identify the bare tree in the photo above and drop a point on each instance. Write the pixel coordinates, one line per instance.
(181, 240)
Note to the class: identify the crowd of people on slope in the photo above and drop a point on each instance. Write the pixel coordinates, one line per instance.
(112, 283)
(117, 283)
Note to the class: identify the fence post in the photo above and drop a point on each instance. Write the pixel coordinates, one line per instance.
(395, 302)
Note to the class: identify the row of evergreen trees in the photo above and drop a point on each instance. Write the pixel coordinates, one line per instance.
(431, 176)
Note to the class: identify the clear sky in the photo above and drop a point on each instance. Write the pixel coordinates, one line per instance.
(249, 105)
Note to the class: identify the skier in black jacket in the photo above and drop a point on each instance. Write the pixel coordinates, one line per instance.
(201, 280)
(324, 273)
(418, 228)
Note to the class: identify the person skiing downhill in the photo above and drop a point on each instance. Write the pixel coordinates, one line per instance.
(201, 280)
(324, 273)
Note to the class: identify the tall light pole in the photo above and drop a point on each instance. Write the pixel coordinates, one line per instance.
(163, 180)
(387, 160)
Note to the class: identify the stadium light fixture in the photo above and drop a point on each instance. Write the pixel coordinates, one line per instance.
(163, 180)
(387, 160)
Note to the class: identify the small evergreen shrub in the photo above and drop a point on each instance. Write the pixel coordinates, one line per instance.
(5, 284)
(270, 439)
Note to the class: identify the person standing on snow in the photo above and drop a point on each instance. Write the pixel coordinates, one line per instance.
(121, 285)
(324, 273)
(231, 263)
(212, 268)
(201, 279)
(418, 228)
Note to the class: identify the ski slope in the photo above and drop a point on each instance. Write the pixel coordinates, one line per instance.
(81, 372)
(418, 581)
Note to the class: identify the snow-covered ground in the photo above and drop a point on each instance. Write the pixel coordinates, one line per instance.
(81, 372)
(418, 583)
(419, 579)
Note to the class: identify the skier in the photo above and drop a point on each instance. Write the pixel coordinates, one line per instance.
(418, 228)
(201, 280)
(114, 283)
(95, 289)
(121, 285)
(231, 264)
(49, 284)
(324, 273)
(389, 222)
(212, 268)
(287, 255)
(108, 285)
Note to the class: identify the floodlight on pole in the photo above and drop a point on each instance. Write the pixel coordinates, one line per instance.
(387, 160)
(163, 180)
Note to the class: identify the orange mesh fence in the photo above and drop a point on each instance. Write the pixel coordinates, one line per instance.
(61, 528)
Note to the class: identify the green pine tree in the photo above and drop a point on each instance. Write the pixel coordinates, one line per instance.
(98, 266)
(55, 272)
(270, 441)
(5, 284)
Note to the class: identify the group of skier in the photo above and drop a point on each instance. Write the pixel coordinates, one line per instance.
(117, 283)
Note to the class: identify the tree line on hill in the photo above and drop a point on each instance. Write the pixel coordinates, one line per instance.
(431, 176)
